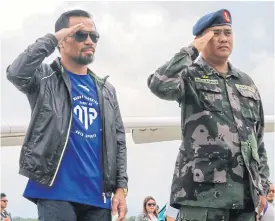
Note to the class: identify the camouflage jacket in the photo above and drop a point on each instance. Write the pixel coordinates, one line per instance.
(222, 161)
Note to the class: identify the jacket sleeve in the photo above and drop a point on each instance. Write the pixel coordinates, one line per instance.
(167, 82)
(27, 70)
(263, 167)
(122, 177)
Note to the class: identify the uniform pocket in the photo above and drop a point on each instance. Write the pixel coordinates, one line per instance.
(253, 147)
(210, 167)
(210, 97)
(193, 213)
(249, 101)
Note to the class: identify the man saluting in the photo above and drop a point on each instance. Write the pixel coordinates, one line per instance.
(221, 171)
(74, 152)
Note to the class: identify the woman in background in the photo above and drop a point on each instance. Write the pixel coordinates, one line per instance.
(149, 210)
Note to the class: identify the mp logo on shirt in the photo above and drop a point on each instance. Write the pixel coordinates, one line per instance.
(86, 115)
(85, 109)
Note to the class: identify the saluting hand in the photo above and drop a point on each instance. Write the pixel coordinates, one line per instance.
(64, 33)
(200, 42)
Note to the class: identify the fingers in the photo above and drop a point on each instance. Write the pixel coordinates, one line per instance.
(122, 212)
(76, 28)
(115, 203)
(119, 206)
(209, 35)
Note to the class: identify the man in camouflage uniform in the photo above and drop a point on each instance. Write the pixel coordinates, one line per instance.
(221, 171)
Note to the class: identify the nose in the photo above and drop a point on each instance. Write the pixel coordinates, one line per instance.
(223, 38)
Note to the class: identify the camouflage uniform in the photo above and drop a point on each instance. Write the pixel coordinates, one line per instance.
(222, 162)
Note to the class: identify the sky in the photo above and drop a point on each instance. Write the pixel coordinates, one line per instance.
(135, 39)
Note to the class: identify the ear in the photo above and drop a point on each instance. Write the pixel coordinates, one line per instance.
(61, 45)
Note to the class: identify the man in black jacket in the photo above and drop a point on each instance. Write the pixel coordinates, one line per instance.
(74, 152)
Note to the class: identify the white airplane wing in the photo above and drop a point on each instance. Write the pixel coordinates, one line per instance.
(149, 130)
(143, 129)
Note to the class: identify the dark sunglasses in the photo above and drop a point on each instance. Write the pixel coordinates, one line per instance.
(151, 204)
(5, 201)
(81, 36)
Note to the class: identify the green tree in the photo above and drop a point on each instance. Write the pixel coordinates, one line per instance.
(131, 218)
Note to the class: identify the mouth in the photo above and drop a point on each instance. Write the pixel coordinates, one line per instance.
(89, 50)
(223, 47)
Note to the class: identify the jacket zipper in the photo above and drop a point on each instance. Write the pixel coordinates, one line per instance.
(67, 137)
(104, 152)
(103, 146)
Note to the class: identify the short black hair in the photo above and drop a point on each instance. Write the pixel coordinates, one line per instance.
(63, 20)
(3, 195)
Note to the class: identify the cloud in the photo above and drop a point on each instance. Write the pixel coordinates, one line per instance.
(263, 77)
(13, 13)
(259, 31)
(136, 38)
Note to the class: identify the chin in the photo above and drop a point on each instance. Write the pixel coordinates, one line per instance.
(224, 55)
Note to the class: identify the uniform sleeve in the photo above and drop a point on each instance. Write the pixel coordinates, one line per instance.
(263, 167)
(167, 82)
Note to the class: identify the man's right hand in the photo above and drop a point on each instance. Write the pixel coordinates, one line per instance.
(200, 42)
(62, 34)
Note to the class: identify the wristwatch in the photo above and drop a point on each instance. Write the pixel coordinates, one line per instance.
(125, 191)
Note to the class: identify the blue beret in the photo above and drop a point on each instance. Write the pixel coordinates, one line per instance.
(221, 17)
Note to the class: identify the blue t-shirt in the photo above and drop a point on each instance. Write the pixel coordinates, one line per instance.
(80, 175)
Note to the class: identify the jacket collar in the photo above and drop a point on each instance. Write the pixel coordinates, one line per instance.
(57, 66)
(210, 71)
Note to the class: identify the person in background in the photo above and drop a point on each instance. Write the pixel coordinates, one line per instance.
(5, 216)
(269, 209)
(157, 210)
(149, 212)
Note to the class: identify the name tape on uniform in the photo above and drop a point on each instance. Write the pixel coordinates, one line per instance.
(207, 81)
(245, 87)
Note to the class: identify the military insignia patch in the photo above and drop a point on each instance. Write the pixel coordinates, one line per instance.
(205, 76)
(226, 16)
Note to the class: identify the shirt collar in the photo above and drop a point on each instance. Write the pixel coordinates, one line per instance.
(210, 71)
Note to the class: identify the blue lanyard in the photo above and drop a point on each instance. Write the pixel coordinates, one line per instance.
(266, 206)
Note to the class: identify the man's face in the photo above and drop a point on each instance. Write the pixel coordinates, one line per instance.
(4, 202)
(221, 45)
(82, 52)
(270, 195)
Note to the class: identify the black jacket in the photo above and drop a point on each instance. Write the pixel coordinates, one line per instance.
(48, 90)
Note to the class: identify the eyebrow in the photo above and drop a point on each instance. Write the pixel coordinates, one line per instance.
(225, 29)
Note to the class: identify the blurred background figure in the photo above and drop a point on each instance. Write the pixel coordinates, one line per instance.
(5, 216)
(149, 212)
(168, 213)
(157, 209)
(269, 209)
